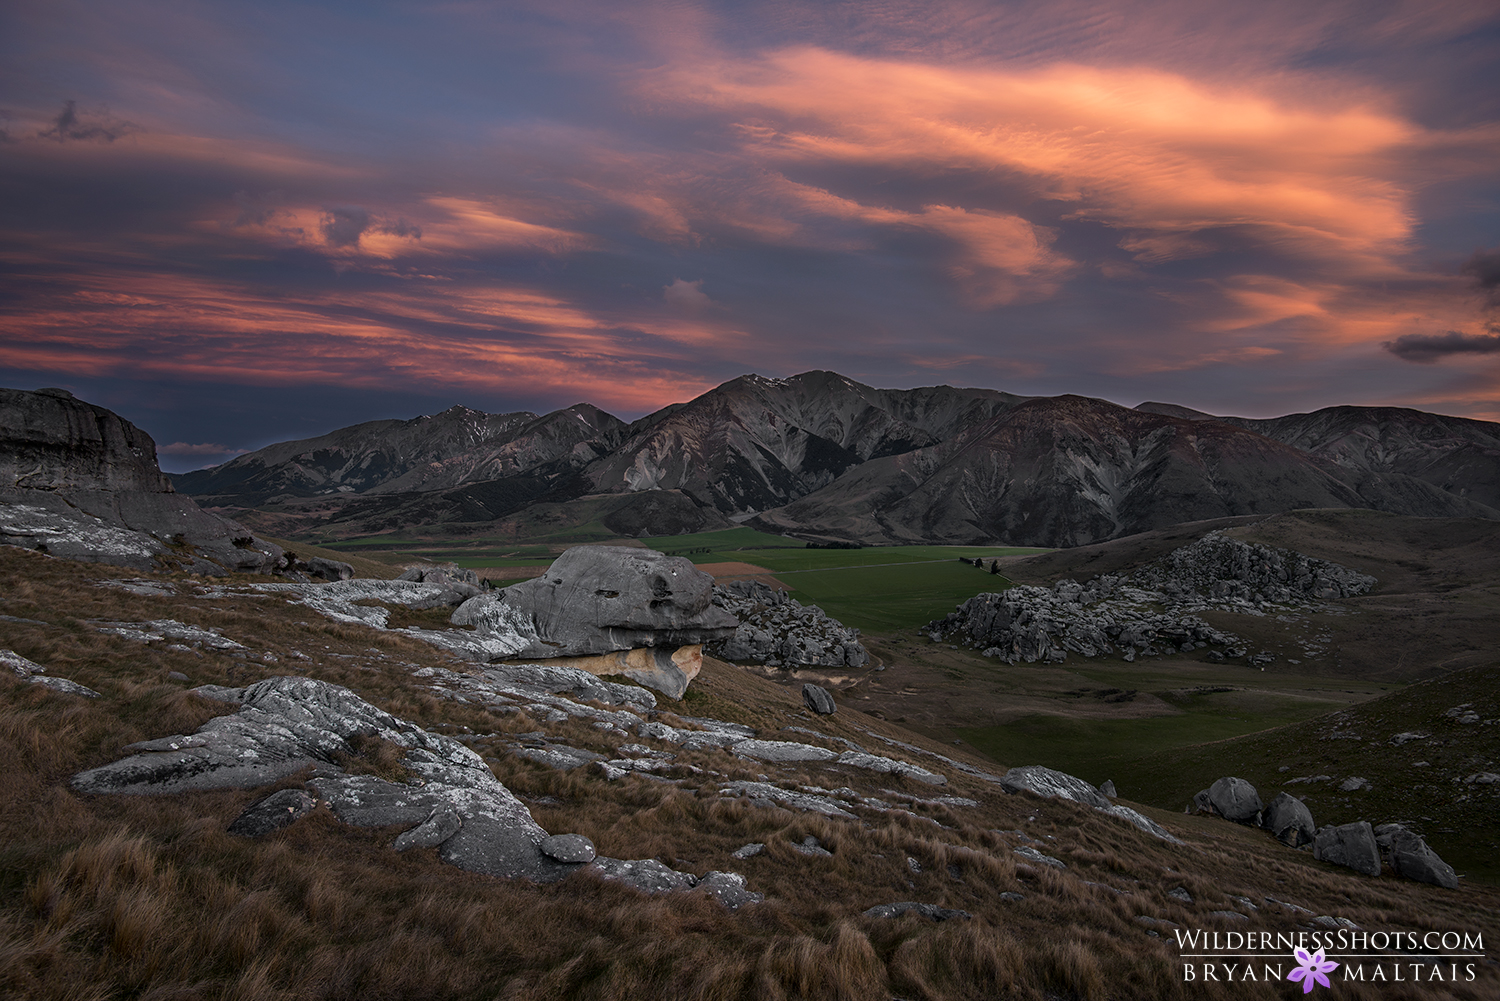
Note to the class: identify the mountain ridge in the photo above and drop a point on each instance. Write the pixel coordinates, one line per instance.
(823, 455)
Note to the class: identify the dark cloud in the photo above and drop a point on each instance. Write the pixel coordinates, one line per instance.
(1425, 349)
(1484, 268)
(344, 226)
(256, 210)
(401, 228)
(205, 448)
(70, 125)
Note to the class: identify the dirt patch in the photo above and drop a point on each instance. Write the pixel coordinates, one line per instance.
(723, 573)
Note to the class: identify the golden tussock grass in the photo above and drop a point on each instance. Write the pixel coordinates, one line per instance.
(148, 897)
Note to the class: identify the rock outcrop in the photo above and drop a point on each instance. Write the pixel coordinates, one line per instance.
(1148, 611)
(452, 802)
(1048, 782)
(777, 630)
(80, 482)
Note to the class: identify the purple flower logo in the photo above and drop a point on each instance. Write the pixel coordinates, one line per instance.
(1311, 969)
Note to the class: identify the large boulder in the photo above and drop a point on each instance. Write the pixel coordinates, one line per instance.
(1235, 799)
(1289, 821)
(599, 599)
(602, 609)
(1349, 845)
(80, 482)
(1408, 855)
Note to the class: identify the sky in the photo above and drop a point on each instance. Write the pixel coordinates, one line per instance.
(242, 223)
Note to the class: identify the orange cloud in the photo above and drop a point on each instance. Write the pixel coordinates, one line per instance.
(1144, 151)
(494, 340)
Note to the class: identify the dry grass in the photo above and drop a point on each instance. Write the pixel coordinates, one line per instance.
(149, 897)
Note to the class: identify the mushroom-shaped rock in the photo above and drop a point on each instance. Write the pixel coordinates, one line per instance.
(1289, 820)
(1349, 845)
(818, 700)
(1235, 799)
(598, 599)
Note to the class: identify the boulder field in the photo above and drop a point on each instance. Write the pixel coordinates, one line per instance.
(1357, 846)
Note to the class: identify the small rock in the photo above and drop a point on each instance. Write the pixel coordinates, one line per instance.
(1180, 893)
(64, 685)
(1229, 915)
(1012, 896)
(1108, 789)
(568, 848)
(1354, 784)
(818, 700)
(1032, 854)
(272, 813)
(932, 911)
(176, 676)
(913, 864)
(430, 833)
(812, 847)
(748, 851)
(728, 888)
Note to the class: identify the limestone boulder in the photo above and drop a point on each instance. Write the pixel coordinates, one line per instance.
(327, 569)
(600, 599)
(1409, 855)
(1049, 782)
(1235, 799)
(1350, 845)
(818, 700)
(1289, 821)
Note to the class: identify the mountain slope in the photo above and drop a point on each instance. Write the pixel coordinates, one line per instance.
(1454, 454)
(1069, 470)
(755, 443)
(441, 452)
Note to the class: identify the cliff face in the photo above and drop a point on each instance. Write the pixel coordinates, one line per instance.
(79, 481)
(51, 441)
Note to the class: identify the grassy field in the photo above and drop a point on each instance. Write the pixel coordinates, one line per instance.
(876, 589)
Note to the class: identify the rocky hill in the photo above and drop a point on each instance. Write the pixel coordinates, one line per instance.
(823, 455)
(79, 481)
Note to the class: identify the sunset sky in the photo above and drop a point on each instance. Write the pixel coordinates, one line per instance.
(240, 223)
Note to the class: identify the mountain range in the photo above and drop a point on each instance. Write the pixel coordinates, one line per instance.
(822, 456)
